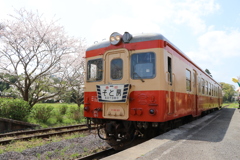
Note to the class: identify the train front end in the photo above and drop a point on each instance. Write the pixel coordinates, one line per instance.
(121, 88)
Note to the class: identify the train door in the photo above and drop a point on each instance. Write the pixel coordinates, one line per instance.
(116, 85)
(195, 94)
(171, 94)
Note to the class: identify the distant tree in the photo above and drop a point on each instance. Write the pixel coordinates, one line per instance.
(31, 51)
(228, 92)
(75, 65)
(3, 86)
(208, 72)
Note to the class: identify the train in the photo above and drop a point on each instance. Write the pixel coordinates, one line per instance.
(141, 85)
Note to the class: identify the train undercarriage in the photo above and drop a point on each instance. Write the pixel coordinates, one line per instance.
(120, 134)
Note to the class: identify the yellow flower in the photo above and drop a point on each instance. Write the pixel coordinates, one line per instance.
(235, 80)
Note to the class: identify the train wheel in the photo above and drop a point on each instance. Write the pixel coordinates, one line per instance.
(116, 144)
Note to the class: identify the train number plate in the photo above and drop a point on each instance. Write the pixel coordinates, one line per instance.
(112, 93)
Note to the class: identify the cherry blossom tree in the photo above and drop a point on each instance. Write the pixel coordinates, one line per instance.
(75, 70)
(32, 50)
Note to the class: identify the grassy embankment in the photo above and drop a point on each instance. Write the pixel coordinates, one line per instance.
(56, 114)
(49, 115)
(231, 105)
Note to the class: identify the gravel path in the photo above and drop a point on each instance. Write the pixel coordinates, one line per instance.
(63, 150)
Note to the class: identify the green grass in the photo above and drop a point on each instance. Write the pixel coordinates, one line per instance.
(62, 114)
(231, 105)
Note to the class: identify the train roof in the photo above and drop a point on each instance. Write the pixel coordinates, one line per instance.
(136, 38)
(141, 38)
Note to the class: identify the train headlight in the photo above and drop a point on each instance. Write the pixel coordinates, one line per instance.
(112, 39)
(118, 38)
(115, 38)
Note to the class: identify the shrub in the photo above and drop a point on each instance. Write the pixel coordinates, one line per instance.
(59, 117)
(16, 109)
(63, 109)
(42, 113)
(75, 113)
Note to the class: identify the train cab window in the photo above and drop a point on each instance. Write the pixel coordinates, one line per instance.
(203, 86)
(94, 70)
(170, 70)
(188, 80)
(143, 65)
(116, 69)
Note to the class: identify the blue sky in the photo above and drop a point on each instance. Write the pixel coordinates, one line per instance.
(208, 31)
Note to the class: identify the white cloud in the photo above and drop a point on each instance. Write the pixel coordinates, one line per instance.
(156, 16)
(44, 7)
(104, 27)
(155, 10)
(217, 48)
(192, 12)
(221, 43)
(4, 10)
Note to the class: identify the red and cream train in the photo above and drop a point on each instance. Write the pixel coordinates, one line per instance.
(139, 85)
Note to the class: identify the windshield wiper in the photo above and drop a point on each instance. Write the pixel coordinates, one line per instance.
(139, 76)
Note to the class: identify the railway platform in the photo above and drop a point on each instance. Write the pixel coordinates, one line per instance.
(10, 125)
(214, 137)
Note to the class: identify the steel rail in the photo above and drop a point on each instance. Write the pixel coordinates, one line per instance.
(46, 135)
(17, 133)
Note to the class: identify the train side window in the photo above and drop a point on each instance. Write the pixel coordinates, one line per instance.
(210, 89)
(199, 85)
(116, 69)
(188, 80)
(206, 85)
(94, 70)
(143, 65)
(215, 91)
(203, 86)
(170, 70)
(194, 79)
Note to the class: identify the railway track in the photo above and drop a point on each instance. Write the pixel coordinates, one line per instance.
(111, 151)
(41, 133)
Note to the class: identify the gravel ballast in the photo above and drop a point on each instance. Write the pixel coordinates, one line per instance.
(63, 150)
